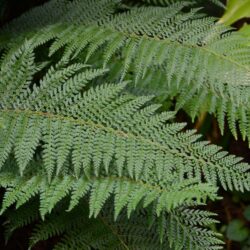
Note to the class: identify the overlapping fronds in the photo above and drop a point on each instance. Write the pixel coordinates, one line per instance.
(179, 230)
(99, 142)
(86, 11)
(86, 147)
(202, 61)
(81, 232)
(127, 193)
(168, 2)
(100, 130)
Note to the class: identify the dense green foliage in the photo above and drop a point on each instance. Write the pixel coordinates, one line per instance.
(85, 145)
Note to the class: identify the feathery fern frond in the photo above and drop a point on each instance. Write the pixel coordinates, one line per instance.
(180, 231)
(66, 11)
(128, 193)
(197, 57)
(21, 217)
(102, 130)
(135, 233)
(169, 2)
(80, 232)
(100, 142)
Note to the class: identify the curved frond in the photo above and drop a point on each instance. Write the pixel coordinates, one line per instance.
(167, 198)
(99, 143)
(77, 231)
(194, 54)
(103, 130)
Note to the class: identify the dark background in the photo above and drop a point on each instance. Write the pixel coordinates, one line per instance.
(10, 9)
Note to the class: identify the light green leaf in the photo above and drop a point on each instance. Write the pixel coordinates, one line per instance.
(236, 10)
(245, 31)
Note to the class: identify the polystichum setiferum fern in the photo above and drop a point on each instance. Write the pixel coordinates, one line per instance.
(88, 148)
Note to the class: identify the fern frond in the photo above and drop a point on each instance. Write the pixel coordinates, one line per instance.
(80, 232)
(169, 2)
(195, 55)
(180, 231)
(67, 118)
(100, 189)
(127, 193)
(21, 217)
(69, 11)
(101, 233)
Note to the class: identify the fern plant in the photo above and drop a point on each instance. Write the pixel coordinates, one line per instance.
(199, 61)
(91, 157)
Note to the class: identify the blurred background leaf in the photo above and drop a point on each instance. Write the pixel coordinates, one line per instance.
(247, 213)
(236, 10)
(237, 231)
